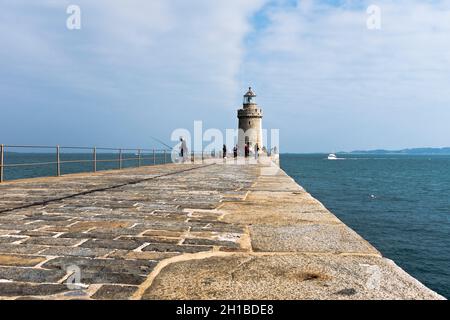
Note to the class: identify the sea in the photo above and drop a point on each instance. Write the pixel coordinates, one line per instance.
(399, 203)
(72, 163)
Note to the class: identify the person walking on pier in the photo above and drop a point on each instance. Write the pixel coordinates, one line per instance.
(224, 151)
(235, 152)
(256, 151)
(247, 150)
(183, 149)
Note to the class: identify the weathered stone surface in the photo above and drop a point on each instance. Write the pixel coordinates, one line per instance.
(14, 289)
(32, 233)
(108, 292)
(149, 239)
(278, 208)
(197, 241)
(76, 251)
(7, 239)
(31, 275)
(175, 248)
(89, 235)
(100, 277)
(290, 276)
(192, 231)
(326, 238)
(113, 244)
(52, 241)
(21, 248)
(216, 227)
(87, 225)
(163, 233)
(102, 265)
(20, 260)
(132, 255)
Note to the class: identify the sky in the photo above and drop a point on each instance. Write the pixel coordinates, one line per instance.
(141, 69)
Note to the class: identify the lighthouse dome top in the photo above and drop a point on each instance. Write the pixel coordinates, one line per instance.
(249, 97)
(250, 93)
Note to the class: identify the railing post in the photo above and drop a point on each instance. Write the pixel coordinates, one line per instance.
(2, 156)
(139, 157)
(58, 162)
(120, 159)
(95, 159)
(154, 157)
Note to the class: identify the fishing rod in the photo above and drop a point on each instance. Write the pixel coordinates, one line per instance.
(159, 141)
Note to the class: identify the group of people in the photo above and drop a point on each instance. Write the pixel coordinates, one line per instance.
(246, 151)
(184, 151)
(224, 151)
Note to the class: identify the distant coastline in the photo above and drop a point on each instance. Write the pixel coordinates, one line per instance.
(412, 151)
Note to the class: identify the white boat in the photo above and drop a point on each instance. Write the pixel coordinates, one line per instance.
(332, 156)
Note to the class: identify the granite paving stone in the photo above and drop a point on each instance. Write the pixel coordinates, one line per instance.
(114, 292)
(290, 276)
(18, 289)
(161, 247)
(31, 275)
(20, 260)
(52, 241)
(113, 244)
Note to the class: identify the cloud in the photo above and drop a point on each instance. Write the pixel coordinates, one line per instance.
(144, 66)
(335, 85)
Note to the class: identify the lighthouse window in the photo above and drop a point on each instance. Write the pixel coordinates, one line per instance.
(249, 123)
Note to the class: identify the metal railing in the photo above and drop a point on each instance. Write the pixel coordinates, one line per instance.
(140, 155)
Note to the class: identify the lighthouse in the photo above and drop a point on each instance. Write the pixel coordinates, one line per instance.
(250, 122)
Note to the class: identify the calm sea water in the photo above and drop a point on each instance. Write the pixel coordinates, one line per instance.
(400, 204)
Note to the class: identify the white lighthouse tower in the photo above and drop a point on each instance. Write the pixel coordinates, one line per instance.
(250, 122)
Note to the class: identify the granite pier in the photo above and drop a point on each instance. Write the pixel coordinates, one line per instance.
(192, 231)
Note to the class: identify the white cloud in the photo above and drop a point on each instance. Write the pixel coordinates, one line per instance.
(158, 62)
(200, 39)
(336, 85)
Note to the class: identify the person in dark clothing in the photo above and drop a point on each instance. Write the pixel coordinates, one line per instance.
(247, 150)
(182, 143)
(224, 151)
(235, 152)
(256, 151)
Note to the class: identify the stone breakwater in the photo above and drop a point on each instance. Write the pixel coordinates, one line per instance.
(196, 231)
